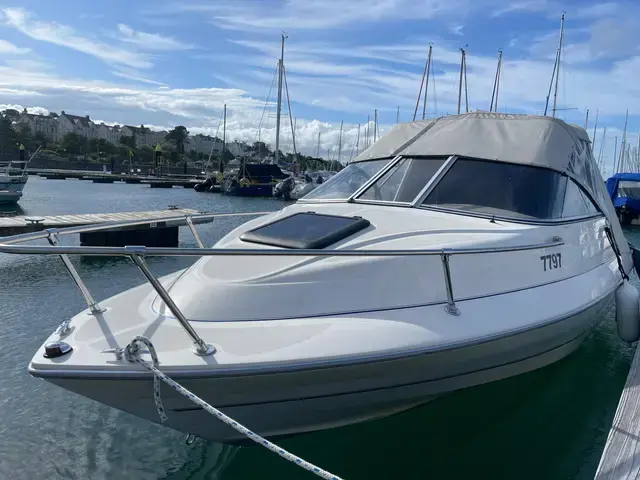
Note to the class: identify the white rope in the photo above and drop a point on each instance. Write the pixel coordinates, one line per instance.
(132, 353)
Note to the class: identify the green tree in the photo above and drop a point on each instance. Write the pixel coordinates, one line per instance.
(25, 137)
(73, 143)
(178, 137)
(8, 136)
(145, 154)
(41, 139)
(261, 149)
(128, 141)
(193, 155)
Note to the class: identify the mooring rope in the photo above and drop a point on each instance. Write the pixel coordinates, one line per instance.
(132, 354)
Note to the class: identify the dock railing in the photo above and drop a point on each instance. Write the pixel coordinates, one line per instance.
(13, 245)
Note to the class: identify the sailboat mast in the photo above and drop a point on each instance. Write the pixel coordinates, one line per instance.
(426, 85)
(398, 114)
(586, 120)
(623, 145)
(460, 81)
(358, 142)
(595, 128)
(496, 85)
(375, 125)
(318, 147)
(279, 110)
(340, 142)
(559, 58)
(224, 128)
(366, 133)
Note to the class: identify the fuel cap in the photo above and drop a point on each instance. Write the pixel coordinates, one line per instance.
(56, 349)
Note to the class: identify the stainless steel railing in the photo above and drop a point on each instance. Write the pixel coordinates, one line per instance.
(12, 245)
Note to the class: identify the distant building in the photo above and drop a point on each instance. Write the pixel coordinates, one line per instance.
(44, 124)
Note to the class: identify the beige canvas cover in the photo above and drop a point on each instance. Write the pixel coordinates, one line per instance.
(522, 139)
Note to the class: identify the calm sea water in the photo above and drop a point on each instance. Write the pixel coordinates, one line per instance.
(551, 423)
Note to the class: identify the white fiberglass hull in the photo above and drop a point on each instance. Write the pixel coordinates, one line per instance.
(11, 188)
(292, 400)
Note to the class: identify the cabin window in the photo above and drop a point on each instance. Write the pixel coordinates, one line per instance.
(501, 189)
(576, 203)
(346, 182)
(404, 181)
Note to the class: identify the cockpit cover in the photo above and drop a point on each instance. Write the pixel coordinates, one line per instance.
(522, 139)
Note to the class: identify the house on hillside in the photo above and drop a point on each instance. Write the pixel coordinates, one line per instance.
(74, 123)
(110, 134)
(44, 124)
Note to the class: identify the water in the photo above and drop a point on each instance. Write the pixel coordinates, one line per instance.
(551, 423)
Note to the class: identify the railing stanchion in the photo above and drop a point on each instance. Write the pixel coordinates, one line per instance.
(200, 347)
(192, 227)
(94, 308)
(451, 304)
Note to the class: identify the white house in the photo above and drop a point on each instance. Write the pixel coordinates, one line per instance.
(74, 123)
(45, 124)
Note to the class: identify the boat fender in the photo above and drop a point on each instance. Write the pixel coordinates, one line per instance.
(244, 182)
(628, 312)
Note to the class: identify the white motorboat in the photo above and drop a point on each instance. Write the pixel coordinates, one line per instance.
(13, 178)
(449, 254)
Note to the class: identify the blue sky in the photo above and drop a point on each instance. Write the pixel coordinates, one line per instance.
(168, 62)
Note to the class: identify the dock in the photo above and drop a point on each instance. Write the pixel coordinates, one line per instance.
(175, 180)
(162, 231)
(621, 456)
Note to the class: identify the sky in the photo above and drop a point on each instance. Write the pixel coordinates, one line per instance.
(163, 63)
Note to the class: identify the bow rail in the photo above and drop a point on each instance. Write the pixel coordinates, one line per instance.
(14, 245)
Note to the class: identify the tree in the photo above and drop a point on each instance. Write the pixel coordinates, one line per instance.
(193, 155)
(73, 143)
(41, 139)
(25, 137)
(129, 141)
(8, 136)
(261, 149)
(146, 155)
(178, 137)
(227, 156)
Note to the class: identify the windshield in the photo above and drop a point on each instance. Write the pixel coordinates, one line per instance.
(404, 181)
(346, 182)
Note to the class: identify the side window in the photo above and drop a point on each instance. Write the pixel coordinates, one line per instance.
(576, 203)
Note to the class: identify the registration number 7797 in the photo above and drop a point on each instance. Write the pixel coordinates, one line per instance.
(551, 261)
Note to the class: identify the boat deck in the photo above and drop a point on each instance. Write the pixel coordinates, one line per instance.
(621, 456)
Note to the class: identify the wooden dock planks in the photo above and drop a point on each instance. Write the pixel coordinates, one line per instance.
(17, 225)
(621, 456)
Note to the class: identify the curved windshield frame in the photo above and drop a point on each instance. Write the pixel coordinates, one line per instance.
(404, 182)
(514, 192)
(348, 181)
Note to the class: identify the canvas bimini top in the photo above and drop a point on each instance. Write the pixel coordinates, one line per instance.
(517, 139)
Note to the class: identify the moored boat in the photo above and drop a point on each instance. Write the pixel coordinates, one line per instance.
(449, 254)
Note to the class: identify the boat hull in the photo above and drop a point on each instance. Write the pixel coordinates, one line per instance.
(281, 403)
(11, 189)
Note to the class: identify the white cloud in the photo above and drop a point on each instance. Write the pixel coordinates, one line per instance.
(65, 36)
(19, 93)
(20, 108)
(150, 41)
(314, 15)
(135, 76)
(8, 48)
